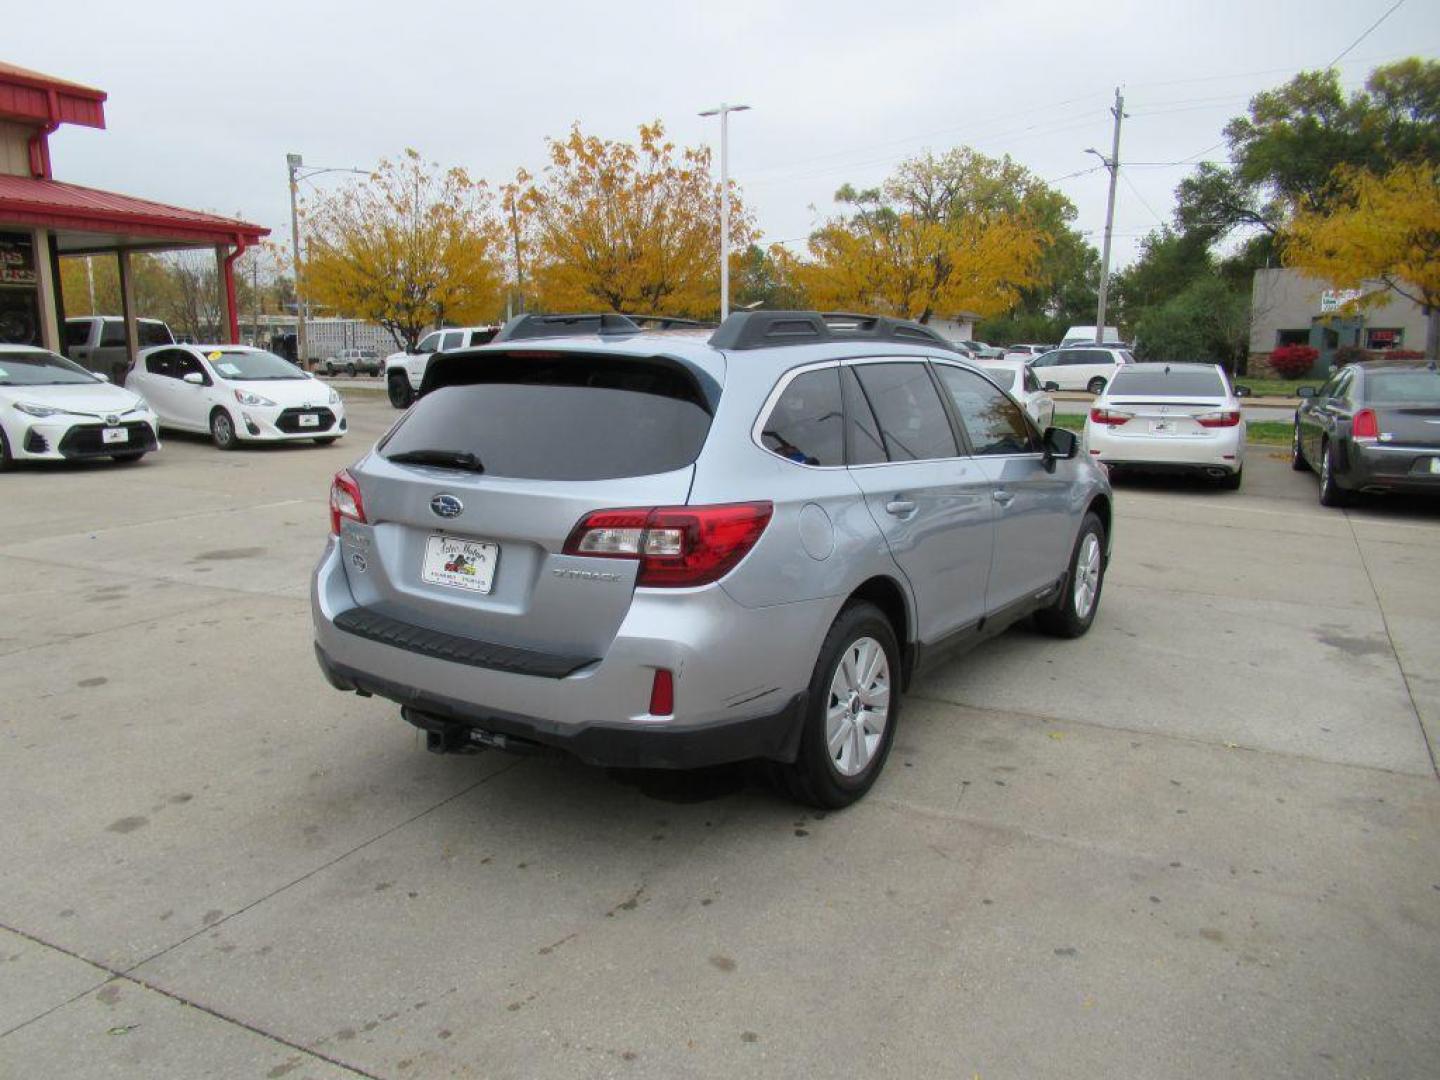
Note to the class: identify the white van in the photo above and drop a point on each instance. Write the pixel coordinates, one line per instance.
(1085, 335)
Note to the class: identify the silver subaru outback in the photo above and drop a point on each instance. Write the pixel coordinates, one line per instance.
(678, 548)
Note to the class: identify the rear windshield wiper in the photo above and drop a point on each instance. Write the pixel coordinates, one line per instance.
(447, 459)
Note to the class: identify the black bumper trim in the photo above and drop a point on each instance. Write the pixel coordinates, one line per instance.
(366, 623)
(774, 736)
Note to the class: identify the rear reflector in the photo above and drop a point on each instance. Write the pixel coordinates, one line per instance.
(1365, 425)
(662, 693)
(1220, 418)
(345, 501)
(676, 546)
(1109, 417)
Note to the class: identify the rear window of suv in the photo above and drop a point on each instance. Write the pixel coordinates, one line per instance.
(580, 418)
(1177, 382)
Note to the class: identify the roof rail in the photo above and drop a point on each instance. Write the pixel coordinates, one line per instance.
(768, 329)
(670, 322)
(522, 327)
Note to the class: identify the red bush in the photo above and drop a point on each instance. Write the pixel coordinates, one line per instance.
(1293, 361)
(1402, 354)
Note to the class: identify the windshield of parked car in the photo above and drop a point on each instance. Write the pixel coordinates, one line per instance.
(1194, 381)
(1421, 386)
(40, 369)
(237, 364)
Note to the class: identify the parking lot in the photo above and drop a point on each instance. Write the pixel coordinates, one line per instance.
(1200, 841)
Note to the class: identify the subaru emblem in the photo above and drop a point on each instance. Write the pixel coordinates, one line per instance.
(446, 506)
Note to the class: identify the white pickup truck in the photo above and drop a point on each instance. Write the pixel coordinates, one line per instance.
(97, 342)
(404, 371)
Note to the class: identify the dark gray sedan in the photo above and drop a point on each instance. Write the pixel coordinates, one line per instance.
(1373, 427)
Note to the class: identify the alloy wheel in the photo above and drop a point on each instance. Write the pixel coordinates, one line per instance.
(1087, 575)
(858, 707)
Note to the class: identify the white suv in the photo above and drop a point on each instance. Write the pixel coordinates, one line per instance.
(404, 370)
(1077, 367)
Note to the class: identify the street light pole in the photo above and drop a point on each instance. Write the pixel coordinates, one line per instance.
(293, 163)
(724, 111)
(1113, 164)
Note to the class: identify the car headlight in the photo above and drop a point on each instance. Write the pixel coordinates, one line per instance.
(334, 396)
(244, 397)
(30, 409)
(141, 407)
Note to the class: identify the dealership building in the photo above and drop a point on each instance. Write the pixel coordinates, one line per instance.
(1289, 308)
(43, 219)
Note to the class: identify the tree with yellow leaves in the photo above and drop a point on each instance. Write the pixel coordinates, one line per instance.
(621, 226)
(933, 241)
(1379, 234)
(414, 246)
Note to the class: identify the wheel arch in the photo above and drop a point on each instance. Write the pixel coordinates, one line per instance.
(887, 594)
(1101, 508)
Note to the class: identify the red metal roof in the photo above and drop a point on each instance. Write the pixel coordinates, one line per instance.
(26, 200)
(33, 97)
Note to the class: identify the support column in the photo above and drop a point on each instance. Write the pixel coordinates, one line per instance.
(225, 272)
(48, 289)
(127, 309)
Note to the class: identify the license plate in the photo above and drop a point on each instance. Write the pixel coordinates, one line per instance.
(309, 420)
(114, 434)
(1163, 427)
(1435, 464)
(460, 564)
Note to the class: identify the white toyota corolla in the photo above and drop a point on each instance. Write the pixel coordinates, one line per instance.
(237, 394)
(52, 409)
(1169, 418)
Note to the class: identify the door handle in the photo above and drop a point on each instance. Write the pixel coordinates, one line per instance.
(1003, 497)
(900, 507)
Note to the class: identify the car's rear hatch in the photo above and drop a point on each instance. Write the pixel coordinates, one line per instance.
(538, 441)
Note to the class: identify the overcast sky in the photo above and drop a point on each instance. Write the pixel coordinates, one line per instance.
(204, 107)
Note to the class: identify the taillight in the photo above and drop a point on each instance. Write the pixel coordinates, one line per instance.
(1109, 417)
(1220, 418)
(1365, 425)
(676, 546)
(345, 501)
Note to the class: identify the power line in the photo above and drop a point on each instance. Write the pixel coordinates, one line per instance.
(1393, 8)
(1131, 185)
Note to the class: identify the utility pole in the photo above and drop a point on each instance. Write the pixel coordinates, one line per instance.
(724, 111)
(1113, 164)
(294, 162)
(519, 267)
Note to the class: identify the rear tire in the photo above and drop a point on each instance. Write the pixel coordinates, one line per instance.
(1096, 386)
(350, 370)
(401, 396)
(841, 751)
(6, 461)
(1297, 455)
(1074, 609)
(1331, 493)
(222, 430)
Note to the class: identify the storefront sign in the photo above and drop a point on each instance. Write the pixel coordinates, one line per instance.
(1334, 299)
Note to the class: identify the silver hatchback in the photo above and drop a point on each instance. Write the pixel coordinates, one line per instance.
(681, 548)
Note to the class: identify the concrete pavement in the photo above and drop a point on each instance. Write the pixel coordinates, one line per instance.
(1200, 841)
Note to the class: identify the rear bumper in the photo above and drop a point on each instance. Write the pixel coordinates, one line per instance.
(737, 674)
(458, 725)
(1223, 450)
(1390, 468)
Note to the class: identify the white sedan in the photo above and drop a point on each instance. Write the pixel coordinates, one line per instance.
(1169, 418)
(1077, 367)
(52, 409)
(237, 394)
(1016, 378)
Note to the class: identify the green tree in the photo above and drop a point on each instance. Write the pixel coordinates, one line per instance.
(1206, 321)
(759, 279)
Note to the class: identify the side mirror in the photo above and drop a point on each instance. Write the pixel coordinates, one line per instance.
(1051, 387)
(194, 378)
(1243, 391)
(1305, 392)
(1061, 443)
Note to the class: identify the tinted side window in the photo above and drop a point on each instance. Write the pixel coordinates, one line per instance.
(865, 445)
(112, 333)
(151, 333)
(161, 363)
(912, 420)
(185, 364)
(993, 422)
(1084, 356)
(454, 340)
(1032, 384)
(807, 424)
(429, 343)
(76, 333)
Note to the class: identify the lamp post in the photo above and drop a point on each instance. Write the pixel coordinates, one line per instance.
(294, 163)
(723, 111)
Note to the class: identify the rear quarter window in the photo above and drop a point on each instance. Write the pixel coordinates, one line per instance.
(807, 423)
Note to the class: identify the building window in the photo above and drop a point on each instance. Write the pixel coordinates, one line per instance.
(1292, 337)
(1378, 338)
